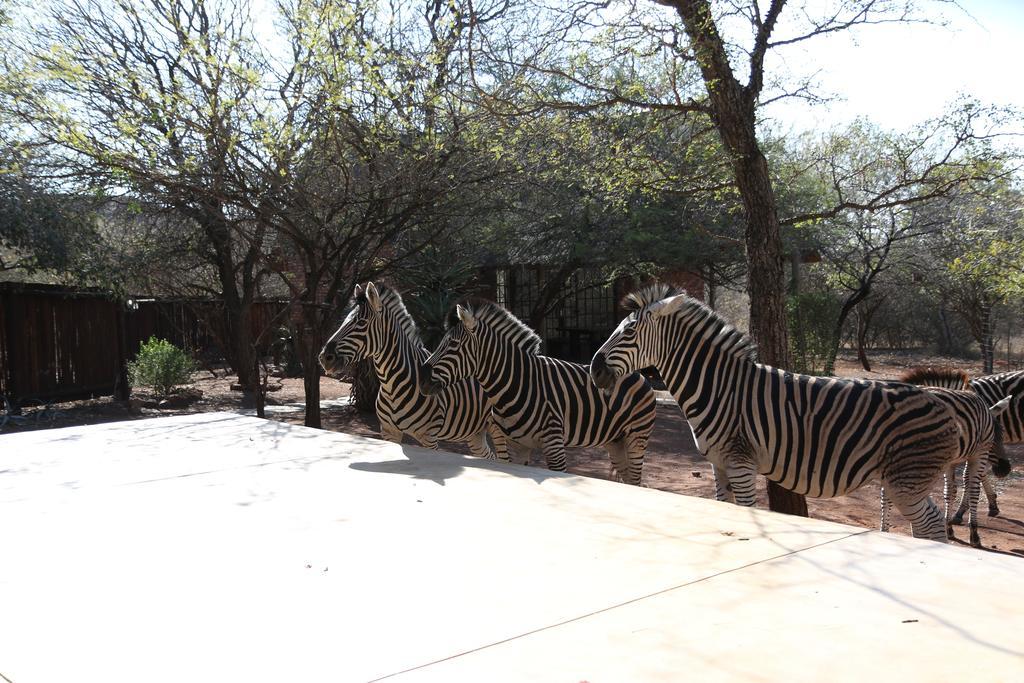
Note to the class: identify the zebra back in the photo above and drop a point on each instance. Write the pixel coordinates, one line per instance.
(818, 436)
(978, 428)
(531, 393)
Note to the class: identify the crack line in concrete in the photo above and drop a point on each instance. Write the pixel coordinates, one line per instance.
(616, 606)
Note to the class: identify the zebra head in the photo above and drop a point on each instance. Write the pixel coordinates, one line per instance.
(355, 339)
(455, 358)
(634, 344)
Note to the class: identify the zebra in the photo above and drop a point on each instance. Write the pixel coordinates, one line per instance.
(817, 436)
(540, 402)
(380, 327)
(992, 388)
(980, 442)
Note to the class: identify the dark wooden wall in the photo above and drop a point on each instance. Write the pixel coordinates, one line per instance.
(58, 343)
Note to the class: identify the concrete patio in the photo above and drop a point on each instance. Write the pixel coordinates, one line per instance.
(224, 548)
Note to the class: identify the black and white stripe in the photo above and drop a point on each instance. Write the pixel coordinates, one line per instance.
(540, 402)
(818, 436)
(992, 388)
(980, 443)
(379, 327)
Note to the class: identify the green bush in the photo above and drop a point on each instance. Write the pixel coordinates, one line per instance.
(811, 317)
(160, 365)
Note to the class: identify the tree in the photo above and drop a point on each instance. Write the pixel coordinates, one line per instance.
(977, 260)
(146, 100)
(362, 157)
(704, 61)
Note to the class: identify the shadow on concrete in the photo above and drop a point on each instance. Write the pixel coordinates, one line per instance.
(438, 466)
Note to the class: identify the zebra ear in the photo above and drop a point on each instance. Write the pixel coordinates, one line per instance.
(468, 321)
(1000, 407)
(358, 291)
(667, 306)
(373, 297)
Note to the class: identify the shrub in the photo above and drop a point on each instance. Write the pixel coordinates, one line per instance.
(811, 317)
(160, 365)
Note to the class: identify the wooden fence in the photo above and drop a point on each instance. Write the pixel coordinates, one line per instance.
(61, 344)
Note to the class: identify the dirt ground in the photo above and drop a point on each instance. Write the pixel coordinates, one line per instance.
(672, 462)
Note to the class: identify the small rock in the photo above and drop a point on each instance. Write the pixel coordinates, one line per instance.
(696, 474)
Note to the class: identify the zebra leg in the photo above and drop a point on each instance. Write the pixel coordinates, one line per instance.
(886, 503)
(949, 495)
(391, 433)
(499, 441)
(990, 493)
(636, 450)
(973, 474)
(743, 481)
(723, 490)
(519, 453)
(617, 459)
(478, 446)
(554, 455)
(925, 519)
(962, 508)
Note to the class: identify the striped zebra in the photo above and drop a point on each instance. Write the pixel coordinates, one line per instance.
(818, 436)
(979, 444)
(540, 402)
(380, 327)
(992, 388)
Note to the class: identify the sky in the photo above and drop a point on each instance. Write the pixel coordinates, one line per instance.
(902, 74)
(897, 75)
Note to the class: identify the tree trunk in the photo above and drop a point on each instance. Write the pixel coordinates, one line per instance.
(867, 314)
(732, 109)
(307, 341)
(986, 340)
(946, 343)
(311, 385)
(837, 331)
(238, 347)
(241, 354)
(862, 333)
(712, 292)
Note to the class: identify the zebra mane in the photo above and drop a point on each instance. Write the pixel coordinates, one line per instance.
(634, 301)
(392, 301)
(946, 377)
(727, 336)
(501, 320)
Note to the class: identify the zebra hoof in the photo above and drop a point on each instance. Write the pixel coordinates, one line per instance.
(957, 519)
(975, 538)
(949, 533)
(993, 511)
